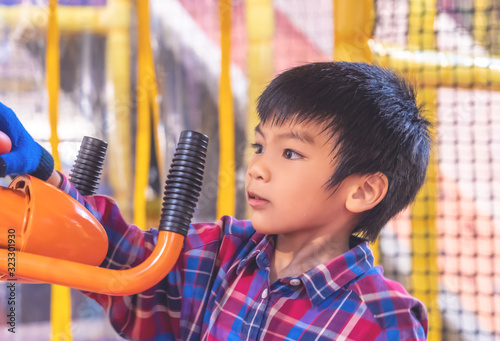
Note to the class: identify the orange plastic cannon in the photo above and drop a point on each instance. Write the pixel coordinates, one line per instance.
(37, 218)
(46, 236)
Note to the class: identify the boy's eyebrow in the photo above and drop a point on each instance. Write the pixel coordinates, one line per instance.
(303, 137)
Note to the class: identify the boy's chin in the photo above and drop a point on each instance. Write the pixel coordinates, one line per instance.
(264, 227)
(255, 221)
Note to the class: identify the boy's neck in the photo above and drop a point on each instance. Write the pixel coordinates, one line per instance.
(295, 254)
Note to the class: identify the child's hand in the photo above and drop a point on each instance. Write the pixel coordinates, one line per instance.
(26, 156)
(5, 144)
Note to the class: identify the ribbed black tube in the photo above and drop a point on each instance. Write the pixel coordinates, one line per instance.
(87, 168)
(183, 184)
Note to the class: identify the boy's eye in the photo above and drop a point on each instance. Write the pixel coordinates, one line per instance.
(291, 155)
(257, 147)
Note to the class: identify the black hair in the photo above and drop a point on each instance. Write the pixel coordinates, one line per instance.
(372, 115)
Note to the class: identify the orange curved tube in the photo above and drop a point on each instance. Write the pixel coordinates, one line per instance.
(94, 279)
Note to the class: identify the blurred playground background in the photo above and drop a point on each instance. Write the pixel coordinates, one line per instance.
(136, 73)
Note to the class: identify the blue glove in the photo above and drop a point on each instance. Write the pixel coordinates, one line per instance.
(26, 156)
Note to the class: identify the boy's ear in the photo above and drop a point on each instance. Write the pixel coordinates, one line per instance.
(366, 191)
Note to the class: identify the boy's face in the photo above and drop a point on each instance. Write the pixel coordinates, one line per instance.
(285, 181)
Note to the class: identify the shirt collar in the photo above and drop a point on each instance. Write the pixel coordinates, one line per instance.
(261, 252)
(324, 280)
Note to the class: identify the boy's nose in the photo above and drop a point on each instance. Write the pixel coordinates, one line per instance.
(258, 170)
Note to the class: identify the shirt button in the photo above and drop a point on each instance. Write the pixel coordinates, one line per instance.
(295, 282)
(264, 293)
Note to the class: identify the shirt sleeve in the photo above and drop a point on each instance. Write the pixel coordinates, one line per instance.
(156, 312)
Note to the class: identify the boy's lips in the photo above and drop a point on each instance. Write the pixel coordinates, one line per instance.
(256, 201)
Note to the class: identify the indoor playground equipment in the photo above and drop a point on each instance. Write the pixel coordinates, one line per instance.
(39, 219)
(50, 237)
(211, 61)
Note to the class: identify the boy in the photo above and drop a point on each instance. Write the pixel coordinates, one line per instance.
(340, 149)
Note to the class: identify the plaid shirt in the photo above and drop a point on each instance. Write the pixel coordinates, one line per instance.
(219, 289)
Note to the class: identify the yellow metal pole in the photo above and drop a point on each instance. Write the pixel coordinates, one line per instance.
(52, 77)
(143, 145)
(60, 313)
(432, 68)
(60, 309)
(118, 66)
(226, 186)
(421, 19)
(148, 115)
(353, 24)
(151, 89)
(69, 18)
(425, 272)
(481, 22)
(260, 58)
